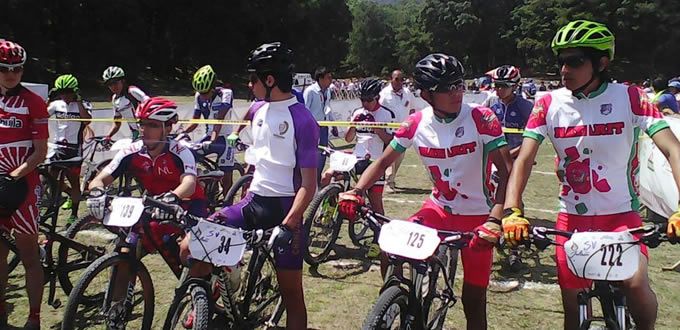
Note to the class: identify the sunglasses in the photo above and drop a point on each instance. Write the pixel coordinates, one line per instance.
(573, 61)
(4, 69)
(497, 85)
(112, 82)
(150, 124)
(367, 99)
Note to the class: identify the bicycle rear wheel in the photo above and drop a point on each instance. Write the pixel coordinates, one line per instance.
(238, 190)
(91, 303)
(72, 261)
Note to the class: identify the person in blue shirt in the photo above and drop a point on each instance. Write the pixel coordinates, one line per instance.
(664, 99)
(317, 98)
(510, 107)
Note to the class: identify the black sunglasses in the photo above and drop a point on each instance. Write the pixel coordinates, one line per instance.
(573, 61)
(5, 69)
(367, 99)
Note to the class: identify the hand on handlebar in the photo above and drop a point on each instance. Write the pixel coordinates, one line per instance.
(487, 234)
(515, 226)
(349, 204)
(160, 214)
(673, 229)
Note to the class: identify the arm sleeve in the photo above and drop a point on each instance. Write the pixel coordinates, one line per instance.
(404, 136)
(39, 117)
(537, 127)
(306, 140)
(489, 128)
(645, 115)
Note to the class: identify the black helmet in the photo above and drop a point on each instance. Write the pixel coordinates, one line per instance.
(370, 88)
(13, 193)
(438, 73)
(271, 58)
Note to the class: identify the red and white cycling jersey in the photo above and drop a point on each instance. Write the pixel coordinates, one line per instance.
(595, 139)
(23, 117)
(456, 155)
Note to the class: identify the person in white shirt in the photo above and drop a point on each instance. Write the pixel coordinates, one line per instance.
(400, 100)
(318, 100)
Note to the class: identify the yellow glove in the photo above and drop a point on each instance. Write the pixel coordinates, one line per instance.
(673, 229)
(515, 226)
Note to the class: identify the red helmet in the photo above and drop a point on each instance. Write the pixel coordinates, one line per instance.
(11, 54)
(157, 108)
(506, 74)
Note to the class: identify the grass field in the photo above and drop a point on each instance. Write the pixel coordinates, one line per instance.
(340, 293)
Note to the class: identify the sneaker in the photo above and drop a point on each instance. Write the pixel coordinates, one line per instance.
(71, 220)
(373, 251)
(68, 204)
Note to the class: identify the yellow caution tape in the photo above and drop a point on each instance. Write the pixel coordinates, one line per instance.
(246, 122)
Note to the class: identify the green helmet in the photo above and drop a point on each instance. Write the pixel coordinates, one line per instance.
(582, 33)
(66, 81)
(113, 72)
(203, 79)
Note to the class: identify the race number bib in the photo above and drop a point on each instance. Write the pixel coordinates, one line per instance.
(342, 162)
(610, 256)
(408, 239)
(125, 212)
(217, 244)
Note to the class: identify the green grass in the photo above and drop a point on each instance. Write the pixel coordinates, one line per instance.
(339, 294)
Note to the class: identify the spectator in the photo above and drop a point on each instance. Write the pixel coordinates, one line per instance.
(400, 100)
(664, 99)
(317, 98)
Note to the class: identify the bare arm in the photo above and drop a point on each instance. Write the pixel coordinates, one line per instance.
(302, 198)
(520, 172)
(37, 157)
(351, 134)
(83, 112)
(670, 147)
(514, 152)
(503, 162)
(383, 135)
(114, 128)
(186, 187)
(101, 181)
(217, 128)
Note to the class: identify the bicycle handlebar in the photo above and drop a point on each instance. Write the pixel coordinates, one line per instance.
(652, 236)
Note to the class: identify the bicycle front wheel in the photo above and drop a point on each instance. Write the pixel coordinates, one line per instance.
(190, 310)
(390, 310)
(322, 224)
(99, 301)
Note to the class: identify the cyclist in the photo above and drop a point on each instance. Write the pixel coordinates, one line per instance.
(370, 141)
(23, 145)
(213, 102)
(68, 104)
(125, 100)
(510, 107)
(454, 141)
(285, 139)
(593, 126)
(164, 168)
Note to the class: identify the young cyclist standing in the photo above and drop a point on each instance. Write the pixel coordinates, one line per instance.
(454, 141)
(284, 149)
(593, 126)
(23, 145)
(213, 102)
(68, 104)
(125, 100)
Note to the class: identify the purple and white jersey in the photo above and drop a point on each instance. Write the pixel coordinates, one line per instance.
(285, 140)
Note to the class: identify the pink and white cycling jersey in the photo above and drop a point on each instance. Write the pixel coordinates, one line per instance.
(456, 155)
(595, 139)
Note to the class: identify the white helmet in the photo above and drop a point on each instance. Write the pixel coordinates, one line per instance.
(113, 72)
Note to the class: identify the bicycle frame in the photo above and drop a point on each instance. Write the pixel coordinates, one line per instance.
(419, 269)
